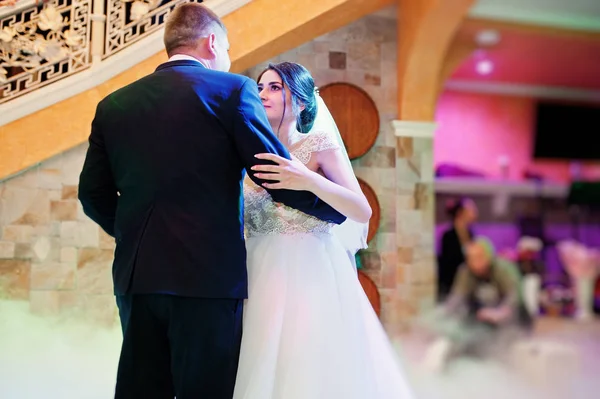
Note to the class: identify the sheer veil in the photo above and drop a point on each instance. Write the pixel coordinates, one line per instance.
(351, 234)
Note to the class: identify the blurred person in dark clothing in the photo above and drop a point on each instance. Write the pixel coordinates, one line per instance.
(462, 213)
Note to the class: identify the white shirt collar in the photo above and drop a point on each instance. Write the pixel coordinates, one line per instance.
(180, 57)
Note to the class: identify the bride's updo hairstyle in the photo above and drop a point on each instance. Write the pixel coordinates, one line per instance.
(302, 90)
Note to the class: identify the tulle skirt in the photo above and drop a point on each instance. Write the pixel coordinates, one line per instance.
(309, 329)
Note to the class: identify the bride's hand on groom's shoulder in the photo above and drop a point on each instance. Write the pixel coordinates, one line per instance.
(286, 174)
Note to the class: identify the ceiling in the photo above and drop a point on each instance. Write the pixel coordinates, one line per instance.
(572, 14)
(549, 46)
(536, 58)
(545, 46)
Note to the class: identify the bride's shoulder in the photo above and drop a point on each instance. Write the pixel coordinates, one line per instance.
(314, 142)
(321, 140)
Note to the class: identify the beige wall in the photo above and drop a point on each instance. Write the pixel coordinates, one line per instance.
(51, 254)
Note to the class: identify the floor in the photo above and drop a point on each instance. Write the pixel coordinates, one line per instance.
(51, 359)
(560, 361)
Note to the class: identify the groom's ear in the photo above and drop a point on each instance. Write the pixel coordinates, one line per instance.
(211, 43)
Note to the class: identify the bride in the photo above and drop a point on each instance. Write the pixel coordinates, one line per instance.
(309, 329)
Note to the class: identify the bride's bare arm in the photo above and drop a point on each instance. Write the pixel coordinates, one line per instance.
(337, 186)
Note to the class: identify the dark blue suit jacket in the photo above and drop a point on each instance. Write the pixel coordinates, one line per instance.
(163, 175)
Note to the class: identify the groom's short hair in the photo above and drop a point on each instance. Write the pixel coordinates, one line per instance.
(187, 23)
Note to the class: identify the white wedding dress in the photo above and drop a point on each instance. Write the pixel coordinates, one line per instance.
(309, 330)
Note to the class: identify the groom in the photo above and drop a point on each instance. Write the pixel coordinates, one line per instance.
(163, 176)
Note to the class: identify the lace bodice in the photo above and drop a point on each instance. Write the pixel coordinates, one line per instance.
(262, 216)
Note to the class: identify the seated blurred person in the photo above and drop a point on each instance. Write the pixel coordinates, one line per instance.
(487, 289)
(462, 213)
(485, 305)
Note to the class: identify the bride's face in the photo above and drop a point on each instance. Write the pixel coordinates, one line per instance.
(272, 91)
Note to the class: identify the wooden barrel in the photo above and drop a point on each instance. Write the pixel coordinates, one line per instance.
(355, 114)
(376, 216)
(371, 290)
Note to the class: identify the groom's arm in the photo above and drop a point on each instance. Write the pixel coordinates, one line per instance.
(253, 135)
(97, 189)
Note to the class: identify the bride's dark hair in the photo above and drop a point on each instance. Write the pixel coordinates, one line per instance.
(302, 90)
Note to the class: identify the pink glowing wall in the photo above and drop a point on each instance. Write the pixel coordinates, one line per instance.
(475, 130)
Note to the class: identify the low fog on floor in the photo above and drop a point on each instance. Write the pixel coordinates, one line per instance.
(63, 359)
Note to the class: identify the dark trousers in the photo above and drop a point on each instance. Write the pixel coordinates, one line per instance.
(178, 346)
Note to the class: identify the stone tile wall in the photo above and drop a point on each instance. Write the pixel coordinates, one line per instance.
(51, 254)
